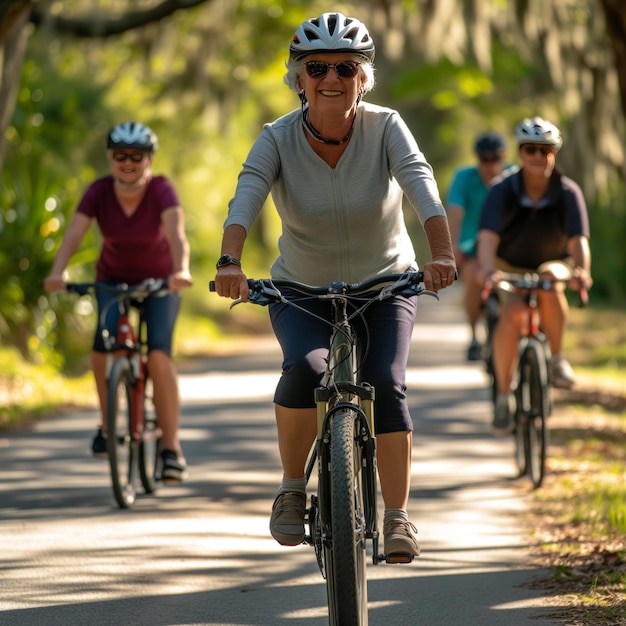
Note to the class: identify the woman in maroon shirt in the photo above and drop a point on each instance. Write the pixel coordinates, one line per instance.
(143, 236)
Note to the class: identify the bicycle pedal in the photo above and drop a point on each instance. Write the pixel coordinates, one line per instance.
(398, 558)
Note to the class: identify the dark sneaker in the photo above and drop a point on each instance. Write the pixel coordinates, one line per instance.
(287, 521)
(99, 445)
(173, 467)
(400, 542)
(504, 413)
(474, 351)
(561, 372)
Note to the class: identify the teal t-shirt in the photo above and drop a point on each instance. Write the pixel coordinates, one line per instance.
(468, 191)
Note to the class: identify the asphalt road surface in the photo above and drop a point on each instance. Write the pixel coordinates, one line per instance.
(201, 553)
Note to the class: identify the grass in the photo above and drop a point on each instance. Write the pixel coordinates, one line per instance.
(578, 517)
(30, 391)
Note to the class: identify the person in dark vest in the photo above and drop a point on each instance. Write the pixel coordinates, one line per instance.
(533, 221)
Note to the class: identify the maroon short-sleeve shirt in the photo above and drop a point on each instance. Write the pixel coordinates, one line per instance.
(133, 247)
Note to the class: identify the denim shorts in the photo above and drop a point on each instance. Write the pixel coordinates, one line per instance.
(160, 314)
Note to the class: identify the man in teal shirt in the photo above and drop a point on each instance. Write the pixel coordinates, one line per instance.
(466, 195)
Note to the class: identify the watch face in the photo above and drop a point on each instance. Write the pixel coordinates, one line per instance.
(226, 260)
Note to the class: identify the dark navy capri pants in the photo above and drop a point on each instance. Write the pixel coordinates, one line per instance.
(305, 340)
(160, 314)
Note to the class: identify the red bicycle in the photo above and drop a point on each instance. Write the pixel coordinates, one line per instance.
(532, 385)
(132, 431)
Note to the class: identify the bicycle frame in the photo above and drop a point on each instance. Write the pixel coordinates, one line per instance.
(338, 392)
(343, 515)
(127, 344)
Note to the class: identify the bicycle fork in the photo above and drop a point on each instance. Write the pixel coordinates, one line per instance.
(328, 408)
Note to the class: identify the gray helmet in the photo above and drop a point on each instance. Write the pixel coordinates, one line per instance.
(489, 143)
(132, 135)
(331, 32)
(538, 130)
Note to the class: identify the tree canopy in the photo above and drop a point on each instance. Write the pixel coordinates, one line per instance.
(206, 74)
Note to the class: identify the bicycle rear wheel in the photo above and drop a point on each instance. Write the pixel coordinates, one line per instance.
(122, 451)
(345, 556)
(149, 446)
(538, 406)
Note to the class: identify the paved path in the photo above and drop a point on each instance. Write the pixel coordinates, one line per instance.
(201, 553)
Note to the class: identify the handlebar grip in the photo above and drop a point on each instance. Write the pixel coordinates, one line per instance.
(212, 285)
(583, 298)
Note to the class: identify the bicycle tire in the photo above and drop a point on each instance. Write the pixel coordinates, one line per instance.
(521, 445)
(538, 397)
(346, 579)
(122, 451)
(149, 446)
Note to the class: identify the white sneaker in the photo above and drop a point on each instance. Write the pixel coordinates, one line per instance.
(561, 372)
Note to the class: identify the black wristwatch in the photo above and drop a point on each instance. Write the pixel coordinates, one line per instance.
(226, 259)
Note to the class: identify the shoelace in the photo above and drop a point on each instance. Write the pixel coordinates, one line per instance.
(396, 525)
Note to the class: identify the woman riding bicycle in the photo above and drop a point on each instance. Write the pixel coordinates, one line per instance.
(143, 235)
(337, 169)
(533, 221)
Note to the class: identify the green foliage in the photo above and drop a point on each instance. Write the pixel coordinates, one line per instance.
(206, 89)
(607, 222)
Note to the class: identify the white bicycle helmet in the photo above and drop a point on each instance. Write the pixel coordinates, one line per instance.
(538, 130)
(132, 135)
(331, 32)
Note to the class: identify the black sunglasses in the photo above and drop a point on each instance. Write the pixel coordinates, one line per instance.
(135, 157)
(343, 69)
(530, 150)
(490, 158)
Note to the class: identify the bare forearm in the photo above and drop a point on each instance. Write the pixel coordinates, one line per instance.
(439, 240)
(486, 252)
(233, 240)
(578, 248)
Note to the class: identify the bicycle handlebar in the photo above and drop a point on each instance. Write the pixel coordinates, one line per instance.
(267, 290)
(531, 281)
(148, 287)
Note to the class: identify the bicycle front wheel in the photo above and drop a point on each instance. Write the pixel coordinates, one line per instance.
(538, 406)
(149, 446)
(122, 451)
(346, 579)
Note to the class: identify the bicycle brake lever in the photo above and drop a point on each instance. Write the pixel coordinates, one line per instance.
(427, 292)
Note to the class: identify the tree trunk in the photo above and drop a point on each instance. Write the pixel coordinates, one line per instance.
(12, 51)
(615, 15)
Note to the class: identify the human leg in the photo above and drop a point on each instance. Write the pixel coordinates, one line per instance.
(504, 350)
(393, 455)
(304, 361)
(390, 325)
(107, 319)
(160, 315)
(554, 311)
(472, 303)
(166, 398)
(296, 430)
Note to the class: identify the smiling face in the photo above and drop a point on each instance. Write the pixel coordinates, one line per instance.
(129, 165)
(537, 159)
(332, 95)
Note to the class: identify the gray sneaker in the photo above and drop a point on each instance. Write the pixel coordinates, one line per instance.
(504, 413)
(400, 542)
(287, 521)
(561, 372)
